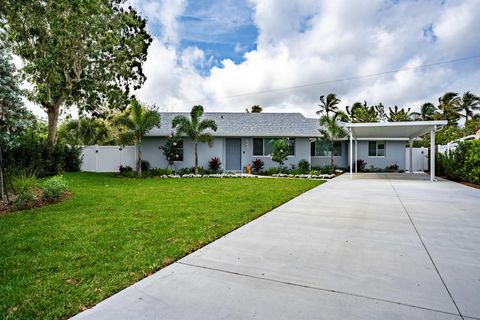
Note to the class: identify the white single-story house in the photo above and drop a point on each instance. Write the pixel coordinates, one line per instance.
(243, 137)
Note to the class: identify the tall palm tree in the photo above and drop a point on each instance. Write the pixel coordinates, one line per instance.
(427, 112)
(139, 121)
(469, 103)
(195, 129)
(328, 104)
(448, 104)
(332, 130)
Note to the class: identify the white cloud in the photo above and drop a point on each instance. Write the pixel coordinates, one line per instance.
(311, 41)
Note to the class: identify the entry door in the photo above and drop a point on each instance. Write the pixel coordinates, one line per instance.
(233, 154)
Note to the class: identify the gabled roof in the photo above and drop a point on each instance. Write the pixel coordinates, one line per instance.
(232, 124)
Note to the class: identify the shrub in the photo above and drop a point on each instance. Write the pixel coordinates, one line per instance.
(462, 164)
(73, 161)
(257, 165)
(303, 166)
(125, 169)
(214, 164)
(393, 167)
(271, 170)
(145, 165)
(54, 188)
(280, 151)
(25, 180)
(23, 200)
(157, 172)
(361, 164)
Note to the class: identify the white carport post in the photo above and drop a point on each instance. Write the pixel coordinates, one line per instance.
(350, 153)
(356, 155)
(432, 153)
(410, 154)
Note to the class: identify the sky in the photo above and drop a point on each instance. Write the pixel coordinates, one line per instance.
(228, 55)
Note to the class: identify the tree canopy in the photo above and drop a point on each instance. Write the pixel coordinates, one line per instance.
(14, 117)
(87, 53)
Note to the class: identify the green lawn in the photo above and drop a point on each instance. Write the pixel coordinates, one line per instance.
(57, 260)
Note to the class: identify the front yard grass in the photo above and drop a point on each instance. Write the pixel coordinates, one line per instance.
(58, 260)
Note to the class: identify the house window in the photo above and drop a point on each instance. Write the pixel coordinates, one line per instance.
(376, 148)
(264, 146)
(321, 148)
(178, 150)
(257, 146)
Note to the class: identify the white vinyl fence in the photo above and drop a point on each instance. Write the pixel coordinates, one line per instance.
(419, 157)
(107, 158)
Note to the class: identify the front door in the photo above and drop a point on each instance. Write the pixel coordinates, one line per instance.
(233, 154)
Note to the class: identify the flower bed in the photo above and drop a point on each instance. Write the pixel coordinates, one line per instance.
(304, 176)
(215, 175)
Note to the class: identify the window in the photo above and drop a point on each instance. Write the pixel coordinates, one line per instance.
(321, 148)
(257, 146)
(264, 146)
(376, 148)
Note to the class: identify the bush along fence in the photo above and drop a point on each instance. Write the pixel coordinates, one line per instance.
(462, 163)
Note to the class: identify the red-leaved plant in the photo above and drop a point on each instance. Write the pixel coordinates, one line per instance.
(257, 165)
(214, 164)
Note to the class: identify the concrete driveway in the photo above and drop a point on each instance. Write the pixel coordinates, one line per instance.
(379, 246)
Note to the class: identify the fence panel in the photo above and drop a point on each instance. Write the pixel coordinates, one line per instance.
(419, 157)
(107, 158)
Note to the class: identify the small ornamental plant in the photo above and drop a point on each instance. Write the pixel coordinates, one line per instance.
(215, 164)
(257, 165)
(173, 149)
(280, 151)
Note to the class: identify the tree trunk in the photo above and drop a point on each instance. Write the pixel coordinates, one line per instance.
(53, 113)
(139, 158)
(196, 157)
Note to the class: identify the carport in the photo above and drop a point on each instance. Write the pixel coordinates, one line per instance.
(393, 131)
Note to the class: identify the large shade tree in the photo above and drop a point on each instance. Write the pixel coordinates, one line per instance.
(195, 128)
(87, 53)
(14, 117)
(139, 120)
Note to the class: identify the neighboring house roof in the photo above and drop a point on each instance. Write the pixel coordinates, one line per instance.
(248, 124)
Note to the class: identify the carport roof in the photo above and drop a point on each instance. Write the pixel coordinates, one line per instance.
(393, 130)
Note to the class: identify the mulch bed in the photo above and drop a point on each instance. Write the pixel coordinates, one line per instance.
(6, 208)
(472, 185)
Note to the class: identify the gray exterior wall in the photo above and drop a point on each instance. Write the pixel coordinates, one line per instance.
(153, 154)
(302, 151)
(340, 161)
(394, 153)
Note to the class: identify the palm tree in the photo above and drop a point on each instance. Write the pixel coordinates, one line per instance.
(332, 130)
(84, 131)
(363, 113)
(469, 103)
(427, 112)
(195, 129)
(399, 114)
(139, 121)
(328, 104)
(448, 104)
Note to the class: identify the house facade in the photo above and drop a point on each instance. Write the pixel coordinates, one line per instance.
(243, 137)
